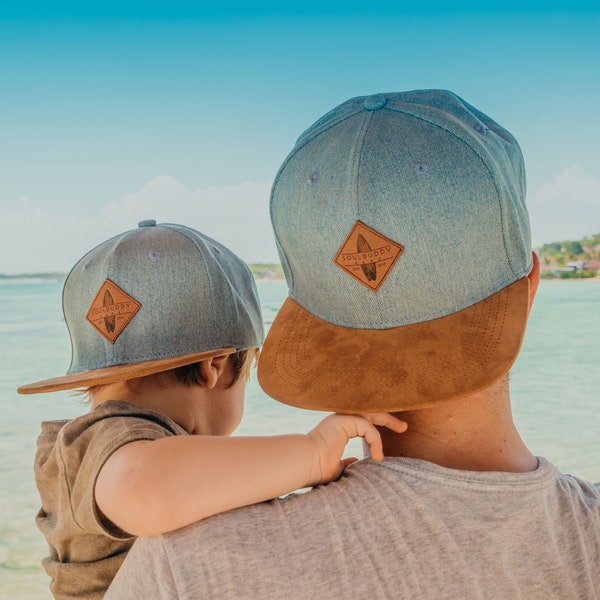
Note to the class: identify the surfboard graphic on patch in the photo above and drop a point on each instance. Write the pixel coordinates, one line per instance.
(109, 321)
(112, 310)
(369, 269)
(368, 256)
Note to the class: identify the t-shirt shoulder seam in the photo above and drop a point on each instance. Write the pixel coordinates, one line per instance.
(545, 474)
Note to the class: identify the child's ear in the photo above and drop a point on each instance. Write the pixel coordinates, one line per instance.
(212, 369)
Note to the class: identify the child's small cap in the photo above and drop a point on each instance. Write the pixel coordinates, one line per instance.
(152, 299)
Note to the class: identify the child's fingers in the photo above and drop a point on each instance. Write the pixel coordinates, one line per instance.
(370, 434)
(359, 426)
(387, 420)
(332, 434)
(364, 426)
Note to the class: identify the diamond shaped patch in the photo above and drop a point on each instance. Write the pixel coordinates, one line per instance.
(111, 310)
(368, 256)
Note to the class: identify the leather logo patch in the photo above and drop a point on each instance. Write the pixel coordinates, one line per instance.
(368, 256)
(111, 310)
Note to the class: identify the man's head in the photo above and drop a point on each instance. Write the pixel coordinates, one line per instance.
(402, 229)
(154, 299)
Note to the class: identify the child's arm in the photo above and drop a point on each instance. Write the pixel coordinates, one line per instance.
(151, 487)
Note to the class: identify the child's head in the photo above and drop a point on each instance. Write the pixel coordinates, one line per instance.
(154, 299)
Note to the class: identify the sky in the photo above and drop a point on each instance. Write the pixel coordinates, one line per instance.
(114, 112)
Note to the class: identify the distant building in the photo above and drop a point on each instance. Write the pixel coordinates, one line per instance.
(576, 265)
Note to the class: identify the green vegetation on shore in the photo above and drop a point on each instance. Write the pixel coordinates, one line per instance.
(571, 259)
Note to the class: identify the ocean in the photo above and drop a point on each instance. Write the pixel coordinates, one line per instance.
(555, 388)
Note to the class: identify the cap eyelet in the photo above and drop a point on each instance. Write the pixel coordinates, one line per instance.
(374, 102)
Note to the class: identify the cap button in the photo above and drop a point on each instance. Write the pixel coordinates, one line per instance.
(374, 102)
(147, 223)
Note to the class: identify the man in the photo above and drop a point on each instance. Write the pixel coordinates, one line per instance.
(403, 233)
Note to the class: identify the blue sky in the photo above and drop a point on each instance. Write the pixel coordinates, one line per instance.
(114, 112)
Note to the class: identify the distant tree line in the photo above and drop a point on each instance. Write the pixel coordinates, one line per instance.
(571, 259)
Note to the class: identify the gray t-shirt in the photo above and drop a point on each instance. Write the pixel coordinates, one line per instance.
(402, 528)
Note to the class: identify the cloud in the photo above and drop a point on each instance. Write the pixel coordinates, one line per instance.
(236, 215)
(566, 208)
(37, 240)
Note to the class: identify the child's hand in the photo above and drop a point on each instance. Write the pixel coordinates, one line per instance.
(331, 435)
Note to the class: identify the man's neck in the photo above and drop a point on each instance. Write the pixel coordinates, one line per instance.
(474, 434)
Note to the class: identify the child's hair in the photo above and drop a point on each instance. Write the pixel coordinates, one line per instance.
(190, 375)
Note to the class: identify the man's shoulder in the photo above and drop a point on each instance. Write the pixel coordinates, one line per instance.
(588, 492)
(331, 537)
(398, 485)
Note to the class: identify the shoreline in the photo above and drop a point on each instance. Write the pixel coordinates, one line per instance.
(4, 279)
(596, 278)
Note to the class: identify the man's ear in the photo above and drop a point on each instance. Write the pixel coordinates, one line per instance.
(534, 278)
(212, 369)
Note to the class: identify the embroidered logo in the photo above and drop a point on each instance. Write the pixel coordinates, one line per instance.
(111, 310)
(368, 256)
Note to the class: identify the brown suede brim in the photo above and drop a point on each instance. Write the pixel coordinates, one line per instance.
(312, 364)
(118, 373)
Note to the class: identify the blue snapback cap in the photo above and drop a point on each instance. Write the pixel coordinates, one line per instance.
(402, 229)
(151, 299)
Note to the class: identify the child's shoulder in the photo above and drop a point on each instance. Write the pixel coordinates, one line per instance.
(99, 432)
(114, 418)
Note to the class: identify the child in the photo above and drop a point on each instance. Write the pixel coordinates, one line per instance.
(165, 324)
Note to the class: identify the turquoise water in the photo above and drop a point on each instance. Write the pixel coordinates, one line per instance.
(555, 387)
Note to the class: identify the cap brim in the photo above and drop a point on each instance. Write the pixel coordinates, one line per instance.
(312, 364)
(118, 373)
